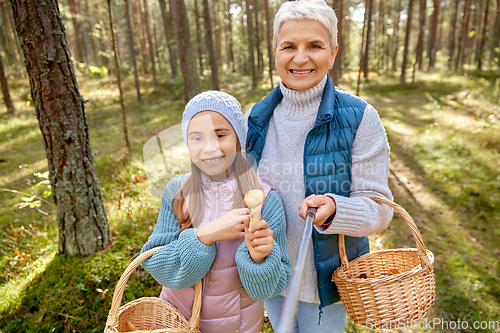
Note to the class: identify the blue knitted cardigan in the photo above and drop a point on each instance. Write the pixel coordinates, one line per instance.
(183, 260)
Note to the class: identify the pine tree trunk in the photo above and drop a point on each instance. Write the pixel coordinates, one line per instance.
(190, 76)
(3, 39)
(150, 42)
(363, 40)
(10, 33)
(230, 36)
(336, 71)
(268, 43)
(81, 217)
(453, 26)
(496, 35)
(5, 88)
(260, 60)
(199, 43)
(462, 40)
(396, 36)
(368, 35)
(88, 28)
(216, 28)
(421, 28)
(480, 56)
(210, 45)
(131, 49)
(433, 35)
(402, 78)
(80, 55)
(251, 42)
(172, 52)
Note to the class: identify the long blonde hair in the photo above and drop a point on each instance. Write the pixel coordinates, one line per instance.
(246, 179)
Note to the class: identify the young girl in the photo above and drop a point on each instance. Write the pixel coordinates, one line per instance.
(203, 226)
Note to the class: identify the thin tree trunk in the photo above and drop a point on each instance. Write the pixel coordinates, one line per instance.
(396, 36)
(495, 45)
(3, 38)
(190, 76)
(260, 60)
(150, 42)
(81, 217)
(362, 47)
(368, 35)
(230, 36)
(462, 37)
(251, 42)
(402, 78)
(131, 49)
(5, 88)
(198, 36)
(336, 71)
(89, 28)
(172, 52)
(216, 28)
(142, 37)
(119, 81)
(210, 45)
(80, 55)
(13, 41)
(483, 38)
(433, 35)
(452, 38)
(421, 29)
(268, 43)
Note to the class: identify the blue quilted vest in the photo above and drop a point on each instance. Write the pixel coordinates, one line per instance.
(327, 168)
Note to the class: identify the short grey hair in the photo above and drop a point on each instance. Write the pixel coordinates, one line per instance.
(306, 9)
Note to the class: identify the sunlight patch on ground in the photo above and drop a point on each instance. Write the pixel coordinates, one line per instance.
(23, 171)
(12, 291)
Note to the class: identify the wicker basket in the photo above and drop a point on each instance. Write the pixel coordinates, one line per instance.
(399, 283)
(147, 314)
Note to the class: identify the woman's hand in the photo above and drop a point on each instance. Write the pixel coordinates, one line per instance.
(259, 240)
(227, 227)
(325, 207)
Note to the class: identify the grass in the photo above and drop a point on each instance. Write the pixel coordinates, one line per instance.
(445, 140)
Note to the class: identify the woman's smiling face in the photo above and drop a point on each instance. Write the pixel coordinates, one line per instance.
(303, 54)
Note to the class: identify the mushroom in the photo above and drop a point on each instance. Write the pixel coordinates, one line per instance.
(253, 200)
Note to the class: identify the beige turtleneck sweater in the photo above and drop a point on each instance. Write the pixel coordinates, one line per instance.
(281, 165)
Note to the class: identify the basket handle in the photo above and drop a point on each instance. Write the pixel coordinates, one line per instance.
(120, 287)
(422, 252)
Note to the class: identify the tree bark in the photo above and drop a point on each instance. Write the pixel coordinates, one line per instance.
(190, 76)
(172, 52)
(361, 55)
(251, 42)
(131, 49)
(119, 80)
(462, 38)
(199, 43)
(5, 88)
(268, 43)
(81, 218)
(260, 60)
(496, 34)
(421, 33)
(10, 33)
(150, 43)
(452, 38)
(483, 38)
(230, 36)
(80, 54)
(433, 35)
(396, 36)
(368, 35)
(89, 29)
(336, 71)
(402, 78)
(210, 45)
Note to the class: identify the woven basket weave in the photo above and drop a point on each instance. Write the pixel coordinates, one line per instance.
(382, 298)
(147, 314)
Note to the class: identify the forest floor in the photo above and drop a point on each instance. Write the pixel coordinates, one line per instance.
(444, 133)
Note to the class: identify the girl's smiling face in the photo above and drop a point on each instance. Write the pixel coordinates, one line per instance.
(304, 54)
(212, 144)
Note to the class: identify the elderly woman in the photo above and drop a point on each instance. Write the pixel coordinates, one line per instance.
(318, 146)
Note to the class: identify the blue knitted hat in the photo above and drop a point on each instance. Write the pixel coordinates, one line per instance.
(220, 102)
